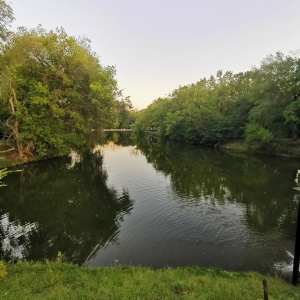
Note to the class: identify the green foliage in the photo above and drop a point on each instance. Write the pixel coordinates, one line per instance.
(6, 17)
(255, 132)
(206, 112)
(292, 112)
(219, 108)
(54, 91)
(123, 113)
(275, 87)
(152, 118)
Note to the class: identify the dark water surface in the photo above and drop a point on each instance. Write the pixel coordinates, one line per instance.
(153, 204)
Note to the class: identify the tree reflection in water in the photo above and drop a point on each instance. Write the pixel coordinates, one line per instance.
(66, 206)
(262, 184)
(238, 211)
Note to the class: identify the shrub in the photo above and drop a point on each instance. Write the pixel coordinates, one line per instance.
(255, 132)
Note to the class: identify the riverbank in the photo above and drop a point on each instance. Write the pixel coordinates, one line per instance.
(9, 158)
(56, 280)
(279, 147)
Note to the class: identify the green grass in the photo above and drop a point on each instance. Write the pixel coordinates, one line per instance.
(55, 280)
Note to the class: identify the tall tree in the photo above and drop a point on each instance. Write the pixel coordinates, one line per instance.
(275, 94)
(6, 17)
(55, 90)
(123, 112)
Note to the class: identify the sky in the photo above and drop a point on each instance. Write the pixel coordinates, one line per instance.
(159, 45)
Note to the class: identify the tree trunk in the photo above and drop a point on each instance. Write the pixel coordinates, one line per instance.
(14, 127)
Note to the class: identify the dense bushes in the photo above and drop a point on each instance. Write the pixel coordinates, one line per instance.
(260, 105)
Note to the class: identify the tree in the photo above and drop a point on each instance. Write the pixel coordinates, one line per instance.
(153, 117)
(275, 91)
(6, 17)
(291, 112)
(55, 90)
(263, 103)
(123, 112)
(206, 112)
(188, 112)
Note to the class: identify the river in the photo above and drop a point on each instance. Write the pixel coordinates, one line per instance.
(153, 203)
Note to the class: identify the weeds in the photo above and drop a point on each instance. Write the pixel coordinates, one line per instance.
(58, 280)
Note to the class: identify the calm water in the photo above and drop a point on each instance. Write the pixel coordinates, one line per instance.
(155, 204)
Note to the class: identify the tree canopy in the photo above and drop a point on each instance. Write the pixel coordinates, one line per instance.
(54, 91)
(260, 104)
(6, 17)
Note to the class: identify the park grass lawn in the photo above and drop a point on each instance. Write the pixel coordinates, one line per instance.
(56, 280)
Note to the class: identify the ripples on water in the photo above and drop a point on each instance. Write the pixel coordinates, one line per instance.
(285, 268)
(154, 204)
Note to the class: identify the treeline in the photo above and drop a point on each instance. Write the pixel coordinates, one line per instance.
(261, 104)
(53, 90)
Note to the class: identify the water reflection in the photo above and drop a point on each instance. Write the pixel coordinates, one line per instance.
(60, 205)
(264, 185)
(192, 205)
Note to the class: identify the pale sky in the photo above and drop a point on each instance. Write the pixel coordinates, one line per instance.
(158, 45)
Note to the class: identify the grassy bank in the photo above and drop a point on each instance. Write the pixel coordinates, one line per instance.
(57, 280)
(279, 147)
